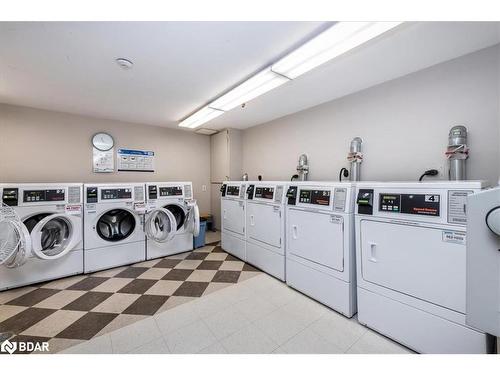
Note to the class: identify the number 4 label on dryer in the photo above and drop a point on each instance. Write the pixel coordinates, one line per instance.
(454, 237)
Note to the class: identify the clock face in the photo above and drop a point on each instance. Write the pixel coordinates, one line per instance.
(103, 141)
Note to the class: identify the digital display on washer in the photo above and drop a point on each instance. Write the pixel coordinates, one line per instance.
(264, 192)
(319, 197)
(389, 202)
(116, 193)
(170, 191)
(53, 195)
(413, 204)
(233, 190)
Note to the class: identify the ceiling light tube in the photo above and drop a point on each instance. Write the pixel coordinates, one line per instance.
(257, 85)
(338, 39)
(200, 117)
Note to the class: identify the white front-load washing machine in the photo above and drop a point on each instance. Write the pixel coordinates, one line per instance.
(411, 264)
(113, 230)
(320, 259)
(50, 234)
(265, 229)
(172, 218)
(233, 206)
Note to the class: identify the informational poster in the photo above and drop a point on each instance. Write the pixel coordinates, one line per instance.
(103, 161)
(135, 160)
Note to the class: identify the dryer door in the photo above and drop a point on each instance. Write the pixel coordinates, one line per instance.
(15, 243)
(56, 235)
(160, 225)
(233, 216)
(264, 223)
(424, 262)
(316, 237)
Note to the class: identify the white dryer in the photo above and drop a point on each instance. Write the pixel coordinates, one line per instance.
(172, 218)
(411, 264)
(320, 243)
(114, 218)
(233, 202)
(50, 235)
(483, 261)
(265, 234)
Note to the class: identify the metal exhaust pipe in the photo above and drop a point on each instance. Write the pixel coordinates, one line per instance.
(457, 153)
(303, 167)
(355, 157)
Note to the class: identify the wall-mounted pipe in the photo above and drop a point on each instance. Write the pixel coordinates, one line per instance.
(303, 167)
(355, 157)
(457, 153)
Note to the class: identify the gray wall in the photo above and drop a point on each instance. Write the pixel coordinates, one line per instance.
(44, 146)
(404, 125)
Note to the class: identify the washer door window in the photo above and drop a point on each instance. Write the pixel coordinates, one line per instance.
(54, 235)
(15, 243)
(116, 225)
(179, 214)
(160, 225)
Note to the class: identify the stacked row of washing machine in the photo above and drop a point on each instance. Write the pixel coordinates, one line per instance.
(394, 253)
(67, 229)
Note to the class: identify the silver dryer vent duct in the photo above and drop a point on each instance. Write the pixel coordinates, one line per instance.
(355, 157)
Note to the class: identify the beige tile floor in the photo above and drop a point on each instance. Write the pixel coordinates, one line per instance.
(259, 315)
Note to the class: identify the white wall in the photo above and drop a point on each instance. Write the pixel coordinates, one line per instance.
(45, 146)
(404, 124)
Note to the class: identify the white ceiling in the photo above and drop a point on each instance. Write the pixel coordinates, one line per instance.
(181, 66)
(178, 66)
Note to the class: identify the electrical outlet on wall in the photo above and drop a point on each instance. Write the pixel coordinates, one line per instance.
(203, 187)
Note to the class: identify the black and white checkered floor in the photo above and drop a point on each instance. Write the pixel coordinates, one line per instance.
(68, 311)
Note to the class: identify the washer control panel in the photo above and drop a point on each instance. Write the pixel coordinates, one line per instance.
(170, 191)
(107, 194)
(51, 195)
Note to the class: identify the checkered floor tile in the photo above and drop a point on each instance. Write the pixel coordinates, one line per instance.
(67, 311)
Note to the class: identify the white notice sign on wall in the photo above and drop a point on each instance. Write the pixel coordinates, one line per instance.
(103, 161)
(136, 160)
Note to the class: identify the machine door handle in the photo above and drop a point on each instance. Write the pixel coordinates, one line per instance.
(252, 220)
(224, 215)
(295, 233)
(373, 252)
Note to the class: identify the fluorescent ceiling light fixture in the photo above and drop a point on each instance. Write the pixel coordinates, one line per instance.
(200, 117)
(338, 39)
(253, 87)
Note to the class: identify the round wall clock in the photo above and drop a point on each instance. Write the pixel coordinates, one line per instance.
(103, 141)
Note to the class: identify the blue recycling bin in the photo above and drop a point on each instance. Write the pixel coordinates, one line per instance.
(199, 241)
